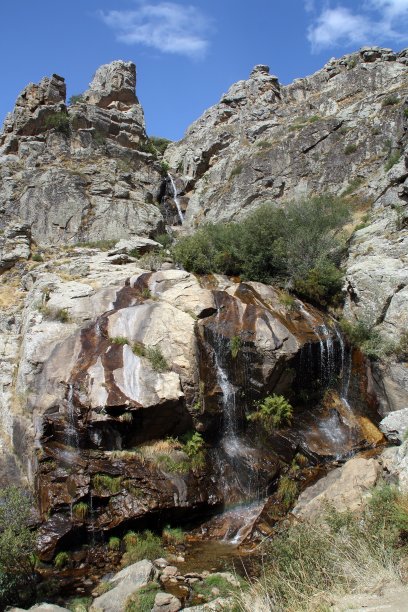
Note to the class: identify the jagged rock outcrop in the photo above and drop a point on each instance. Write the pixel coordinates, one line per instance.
(342, 130)
(79, 173)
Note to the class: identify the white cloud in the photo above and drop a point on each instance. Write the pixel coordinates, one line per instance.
(166, 26)
(373, 22)
(337, 25)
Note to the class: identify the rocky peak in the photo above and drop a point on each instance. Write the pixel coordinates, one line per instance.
(114, 84)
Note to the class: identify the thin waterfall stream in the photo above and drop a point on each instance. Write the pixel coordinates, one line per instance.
(176, 199)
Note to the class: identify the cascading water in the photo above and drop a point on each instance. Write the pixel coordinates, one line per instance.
(71, 433)
(176, 199)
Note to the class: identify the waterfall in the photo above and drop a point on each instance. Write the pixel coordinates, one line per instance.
(345, 368)
(176, 199)
(71, 433)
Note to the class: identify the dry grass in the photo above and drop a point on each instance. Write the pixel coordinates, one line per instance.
(153, 449)
(310, 565)
(10, 297)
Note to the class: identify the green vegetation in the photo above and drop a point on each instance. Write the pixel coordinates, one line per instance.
(104, 482)
(173, 535)
(37, 257)
(80, 510)
(159, 143)
(235, 346)
(164, 167)
(401, 350)
(194, 449)
(272, 412)
(287, 300)
(236, 171)
(297, 246)
(350, 148)
(114, 543)
(392, 159)
(156, 358)
(17, 548)
(367, 339)
(287, 491)
(173, 466)
(103, 587)
(75, 99)
(61, 560)
(120, 340)
(59, 122)
(130, 539)
(309, 563)
(303, 122)
(390, 100)
(55, 314)
(143, 599)
(405, 112)
(353, 186)
(147, 546)
(98, 137)
(165, 240)
(79, 604)
(214, 581)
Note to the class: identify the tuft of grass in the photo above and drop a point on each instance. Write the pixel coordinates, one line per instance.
(37, 257)
(390, 100)
(61, 560)
(221, 584)
(173, 466)
(156, 358)
(121, 340)
(235, 346)
(114, 543)
(80, 510)
(59, 121)
(54, 314)
(104, 482)
(143, 599)
(148, 546)
(173, 535)
(130, 539)
(287, 300)
(103, 587)
(368, 339)
(350, 148)
(236, 171)
(287, 491)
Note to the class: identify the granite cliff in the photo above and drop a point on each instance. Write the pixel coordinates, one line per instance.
(112, 358)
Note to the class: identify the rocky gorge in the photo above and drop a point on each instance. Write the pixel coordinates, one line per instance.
(128, 385)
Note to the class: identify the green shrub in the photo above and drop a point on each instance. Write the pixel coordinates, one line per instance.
(59, 122)
(159, 143)
(103, 587)
(165, 240)
(114, 543)
(147, 546)
(164, 167)
(143, 599)
(350, 149)
(17, 548)
(139, 349)
(322, 284)
(235, 346)
(61, 560)
(75, 99)
(104, 482)
(273, 245)
(405, 112)
(80, 510)
(367, 339)
(272, 412)
(390, 100)
(37, 257)
(130, 539)
(156, 358)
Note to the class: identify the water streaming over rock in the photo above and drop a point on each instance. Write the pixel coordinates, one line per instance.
(176, 199)
(71, 433)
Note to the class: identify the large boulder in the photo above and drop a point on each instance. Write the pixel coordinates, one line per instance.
(344, 489)
(395, 425)
(122, 586)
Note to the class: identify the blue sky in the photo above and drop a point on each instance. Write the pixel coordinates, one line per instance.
(187, 53)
